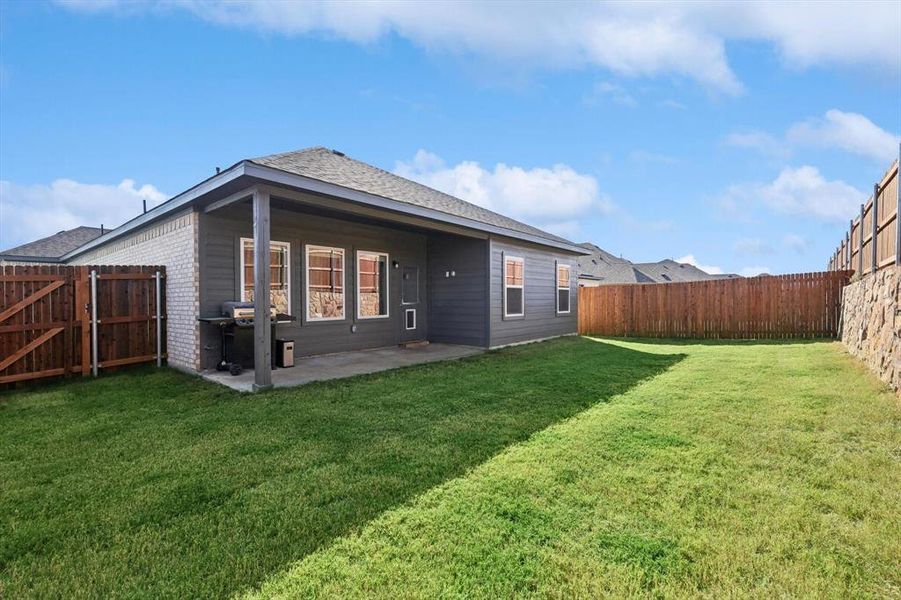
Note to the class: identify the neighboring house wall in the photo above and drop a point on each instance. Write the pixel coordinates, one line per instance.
(540, 318)
(458, 306)
(871, 323)
(173, 244)
(220, 234)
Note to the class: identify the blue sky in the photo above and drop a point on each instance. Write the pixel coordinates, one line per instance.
(744, 136)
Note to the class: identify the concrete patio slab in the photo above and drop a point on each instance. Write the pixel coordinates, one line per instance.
(346, 364)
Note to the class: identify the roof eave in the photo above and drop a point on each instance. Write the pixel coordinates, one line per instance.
(278, 176)
(310, 184)
(178, 202)
(23, 258)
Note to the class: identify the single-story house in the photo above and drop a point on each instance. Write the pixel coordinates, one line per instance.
(361, 257)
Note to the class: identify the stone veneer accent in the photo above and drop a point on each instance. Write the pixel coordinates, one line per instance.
(173, 243)
(871, 323)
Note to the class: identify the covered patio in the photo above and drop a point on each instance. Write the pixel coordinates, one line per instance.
(362, 259)
(346, 364)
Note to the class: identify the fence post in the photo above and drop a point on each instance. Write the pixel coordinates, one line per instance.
(860, 244)
(159, 321)
(898, 209)
(874, 216)
(849, 252)
(94, 358)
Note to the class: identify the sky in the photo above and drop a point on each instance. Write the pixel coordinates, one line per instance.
(739, 137)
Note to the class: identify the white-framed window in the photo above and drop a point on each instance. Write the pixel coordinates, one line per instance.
(324, 299)
(279, 274)
(514, 286)
(563, 293)
(410, 319)
(372, 285)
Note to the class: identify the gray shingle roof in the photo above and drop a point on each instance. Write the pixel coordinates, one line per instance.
(56, 245)
(336, 168)
(604, 267)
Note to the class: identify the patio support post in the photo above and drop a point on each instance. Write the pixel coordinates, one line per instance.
(262, 330)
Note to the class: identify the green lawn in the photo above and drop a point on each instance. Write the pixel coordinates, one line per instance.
(569, 468)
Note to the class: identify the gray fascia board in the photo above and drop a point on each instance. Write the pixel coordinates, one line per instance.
(278, 176)
(21, 258)
(173, 204)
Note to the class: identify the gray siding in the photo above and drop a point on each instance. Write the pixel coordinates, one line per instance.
(540, 319)
(220, 233)
(458, 305)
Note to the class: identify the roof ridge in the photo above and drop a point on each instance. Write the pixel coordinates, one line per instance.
(422, 185)
(341, 155)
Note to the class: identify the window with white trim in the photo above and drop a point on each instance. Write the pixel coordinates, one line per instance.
(372, 285)
(514, 289)
(279, 274)
(563, 292)
(324, 283)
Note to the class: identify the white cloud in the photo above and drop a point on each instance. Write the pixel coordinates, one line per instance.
(630, 39)
(752, 246)
(804, 191)
(795, 242)
(849, 33)
(847, 131)
(690, 259)
(604, 90)
(801, 191)
(552, 198)
(29, 212)
(754, 271)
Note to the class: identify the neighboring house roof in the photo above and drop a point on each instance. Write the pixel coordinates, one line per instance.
(604, 267)
(335, 167)
(53, 246)
(670, 270)
(323, 171)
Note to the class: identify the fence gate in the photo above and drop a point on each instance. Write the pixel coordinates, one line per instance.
(59, 320)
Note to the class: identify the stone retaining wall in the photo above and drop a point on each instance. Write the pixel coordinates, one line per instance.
(871, 323)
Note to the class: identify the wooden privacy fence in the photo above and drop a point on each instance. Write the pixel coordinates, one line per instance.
(59, 320)
(806, 305)
(873, 240)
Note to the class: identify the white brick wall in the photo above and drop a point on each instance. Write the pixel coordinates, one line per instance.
(173, 243)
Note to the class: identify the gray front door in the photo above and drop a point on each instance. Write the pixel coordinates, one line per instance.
(410, 292)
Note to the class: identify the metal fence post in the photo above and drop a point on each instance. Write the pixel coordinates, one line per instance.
(159, 320)
(860, 244)
(898, 210)
(874, 216)
(849, 250)
(94, 357)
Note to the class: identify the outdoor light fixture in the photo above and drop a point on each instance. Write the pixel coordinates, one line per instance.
(395, 264)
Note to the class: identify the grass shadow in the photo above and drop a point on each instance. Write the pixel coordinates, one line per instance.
(157, 483)
(712, 342)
